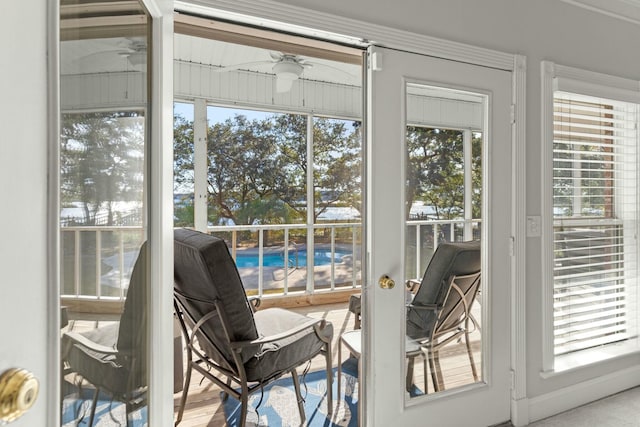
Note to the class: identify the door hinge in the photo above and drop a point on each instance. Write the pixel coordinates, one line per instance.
(512, 245)
(513, 114)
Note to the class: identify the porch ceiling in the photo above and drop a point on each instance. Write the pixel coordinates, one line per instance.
(119, 54)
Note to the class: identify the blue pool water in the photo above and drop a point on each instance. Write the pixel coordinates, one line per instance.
(296, 258)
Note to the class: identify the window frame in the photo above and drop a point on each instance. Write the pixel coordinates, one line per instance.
(581, 82)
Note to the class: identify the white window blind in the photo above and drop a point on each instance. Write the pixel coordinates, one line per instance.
(595, 203)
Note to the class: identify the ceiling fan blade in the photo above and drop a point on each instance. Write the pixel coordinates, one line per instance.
(276, 56)
(339, 70)
(240, 66)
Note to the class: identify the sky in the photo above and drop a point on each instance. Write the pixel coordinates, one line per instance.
(218, 114)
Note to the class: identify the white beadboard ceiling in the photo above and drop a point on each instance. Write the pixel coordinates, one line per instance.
(108, 55)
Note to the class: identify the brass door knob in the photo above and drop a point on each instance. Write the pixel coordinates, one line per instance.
(386, 282)
(18, 392)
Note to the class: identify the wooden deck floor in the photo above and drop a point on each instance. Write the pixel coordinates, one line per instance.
(204, 407)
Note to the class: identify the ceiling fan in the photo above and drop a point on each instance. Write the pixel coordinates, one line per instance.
(134, 50)
(286, 67)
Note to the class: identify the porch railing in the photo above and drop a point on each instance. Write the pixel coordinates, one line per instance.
(97, 260)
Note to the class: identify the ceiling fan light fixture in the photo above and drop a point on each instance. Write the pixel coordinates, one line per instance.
(137, 58)
(286, 73)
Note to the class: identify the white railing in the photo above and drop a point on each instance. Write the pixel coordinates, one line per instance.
(295, 274)
(97, 260)
(428, 234)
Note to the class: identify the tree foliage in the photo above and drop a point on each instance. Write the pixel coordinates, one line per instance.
(257, 169)
(101, 161)
(435, 171)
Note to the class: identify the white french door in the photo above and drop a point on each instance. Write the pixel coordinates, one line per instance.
(448, 104)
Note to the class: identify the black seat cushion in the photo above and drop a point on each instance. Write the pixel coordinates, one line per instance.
(123, 369)
(100, 369)
(286, 353)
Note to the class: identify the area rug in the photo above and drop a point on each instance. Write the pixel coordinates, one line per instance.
(76, 411)
(277, 405)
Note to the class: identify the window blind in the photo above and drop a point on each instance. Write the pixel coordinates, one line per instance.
(595, 214)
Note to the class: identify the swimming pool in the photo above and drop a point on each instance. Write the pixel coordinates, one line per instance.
(296, 258)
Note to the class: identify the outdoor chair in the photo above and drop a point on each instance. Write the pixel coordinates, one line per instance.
(440, 312)
(240, 349)
(113, 358)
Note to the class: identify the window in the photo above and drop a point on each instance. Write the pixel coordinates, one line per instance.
(593, 238)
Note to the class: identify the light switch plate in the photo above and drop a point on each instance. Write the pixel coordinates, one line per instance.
(534, 225)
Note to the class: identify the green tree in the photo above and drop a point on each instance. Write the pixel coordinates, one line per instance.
(101, 161)
(257, 169)
(337, 164)
(435, 172)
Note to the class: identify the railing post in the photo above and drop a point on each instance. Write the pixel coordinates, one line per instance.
(333, 257)
(260, 259)
(418, 251)
(234, 243)
(77, 267)
(353, 257)
(468, 182)
(121, 263)
(286, 261)
(98, 262)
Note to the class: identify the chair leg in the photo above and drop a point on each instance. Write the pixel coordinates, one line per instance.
(296, 386)
(410, 365)
(329, 379)
(185, 389)
(434, 375)
(128, 411)
(473, 364)
(225, 395)
(244, 404)
(436, 360)
(93, 406)
(424, 368)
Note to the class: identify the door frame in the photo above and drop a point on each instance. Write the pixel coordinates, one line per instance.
(255, 12)
(159, 170)
(305, 22)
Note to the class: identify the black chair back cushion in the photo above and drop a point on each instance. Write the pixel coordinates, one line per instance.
(132, 331)
(204, 272)
(456, 258)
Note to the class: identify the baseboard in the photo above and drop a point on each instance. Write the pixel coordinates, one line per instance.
(520, 412)
(582, 393)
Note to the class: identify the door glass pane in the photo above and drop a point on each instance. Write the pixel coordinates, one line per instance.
(104, 51)
(443, 228)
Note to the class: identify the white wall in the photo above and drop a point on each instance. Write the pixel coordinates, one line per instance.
(23, 178)
(540, 29)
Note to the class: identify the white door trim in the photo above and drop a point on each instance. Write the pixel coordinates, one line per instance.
(160, 164)
(271, 15)
(52, 390)
(160, 174)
